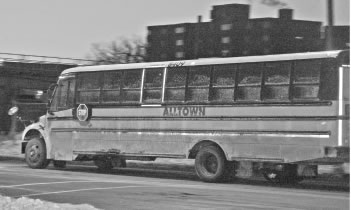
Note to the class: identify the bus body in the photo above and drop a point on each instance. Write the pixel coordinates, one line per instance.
(288, 109)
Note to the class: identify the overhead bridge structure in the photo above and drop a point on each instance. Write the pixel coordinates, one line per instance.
(24, 80)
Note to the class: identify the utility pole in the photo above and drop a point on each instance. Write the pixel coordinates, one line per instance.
(329, 29)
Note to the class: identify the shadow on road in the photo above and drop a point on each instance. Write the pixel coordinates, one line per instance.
(321, 183)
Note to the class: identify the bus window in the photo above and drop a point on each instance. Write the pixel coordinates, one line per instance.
(223, 83)
(199, 83)
(249, 83)
(131, 86)
(277, 80)
(175, 84)
(88, 88)
(306, 79)
(153, 81)
(111, 87)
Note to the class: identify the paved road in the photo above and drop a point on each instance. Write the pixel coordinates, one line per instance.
(149, 189)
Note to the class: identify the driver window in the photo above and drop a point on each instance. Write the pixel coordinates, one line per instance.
(64, 96)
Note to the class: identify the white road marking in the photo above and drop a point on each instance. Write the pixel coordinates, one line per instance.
(79, 190)
(42, 183)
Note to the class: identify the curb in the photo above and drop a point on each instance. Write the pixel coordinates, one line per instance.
(9, 157)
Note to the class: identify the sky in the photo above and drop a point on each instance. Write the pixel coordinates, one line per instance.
(67, 28)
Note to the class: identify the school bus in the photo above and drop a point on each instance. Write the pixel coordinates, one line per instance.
(287, 111)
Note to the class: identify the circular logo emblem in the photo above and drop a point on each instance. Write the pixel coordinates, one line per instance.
(82, 112)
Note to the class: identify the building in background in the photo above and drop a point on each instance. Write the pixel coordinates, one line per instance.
(232, 33)
(340, 37)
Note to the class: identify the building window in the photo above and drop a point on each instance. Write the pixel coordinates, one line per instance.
(164, 31)
(226, 27)
(265, 38)
(249, 26)
(266, 24)
(163, 43)
(179, 42)
(225, 40)
(179, 30)
(266, 51)
(225, 53)
(179, 55)
(163, 56)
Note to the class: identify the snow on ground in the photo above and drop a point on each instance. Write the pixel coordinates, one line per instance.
(28, 203)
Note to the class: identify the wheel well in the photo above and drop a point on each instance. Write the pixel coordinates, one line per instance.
(196, 148)
(28, 136)
(32, 133)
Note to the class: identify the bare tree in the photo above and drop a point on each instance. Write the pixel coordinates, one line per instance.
(122, 50)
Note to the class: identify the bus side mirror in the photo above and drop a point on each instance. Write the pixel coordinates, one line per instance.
(12, 111)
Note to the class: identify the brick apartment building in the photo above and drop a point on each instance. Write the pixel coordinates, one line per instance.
(232, 33)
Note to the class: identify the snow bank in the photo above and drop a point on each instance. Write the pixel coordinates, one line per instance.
(27, 203)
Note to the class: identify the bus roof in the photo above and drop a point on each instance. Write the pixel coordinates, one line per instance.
(208, 61)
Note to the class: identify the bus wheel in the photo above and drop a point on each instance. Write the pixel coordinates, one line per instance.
(210, 164)
(35, 153)
(59, 164)
(103, 164)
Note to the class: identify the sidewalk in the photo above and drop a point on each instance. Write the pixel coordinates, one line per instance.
(11, 149)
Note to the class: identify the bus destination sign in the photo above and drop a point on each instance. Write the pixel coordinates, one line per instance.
(184, 111)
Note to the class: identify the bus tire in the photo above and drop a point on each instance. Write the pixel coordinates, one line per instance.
(59, 164)
(35, 153)
(103, 164)
(210, 164)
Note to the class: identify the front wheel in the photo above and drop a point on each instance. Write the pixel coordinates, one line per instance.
(35, 153)
(210, 164)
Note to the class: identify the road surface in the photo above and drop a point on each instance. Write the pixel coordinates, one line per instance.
(148, 189)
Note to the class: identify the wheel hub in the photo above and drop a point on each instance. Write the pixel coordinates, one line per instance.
(211, 164)
(34, 153)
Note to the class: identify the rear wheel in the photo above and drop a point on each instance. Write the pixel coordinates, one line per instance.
(210, 164)
(35, 153)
